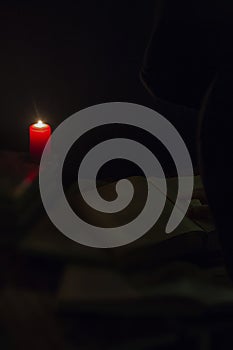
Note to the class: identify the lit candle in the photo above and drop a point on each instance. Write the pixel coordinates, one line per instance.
(39, 134)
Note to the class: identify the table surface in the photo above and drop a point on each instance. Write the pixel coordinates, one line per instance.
(68, 295)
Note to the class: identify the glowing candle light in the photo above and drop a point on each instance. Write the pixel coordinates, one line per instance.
(39, 134)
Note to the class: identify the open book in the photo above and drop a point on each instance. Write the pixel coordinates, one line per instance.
(187, 239)
(174, 290)
(121, 280)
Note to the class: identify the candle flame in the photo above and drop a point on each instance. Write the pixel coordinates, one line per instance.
(39, 124)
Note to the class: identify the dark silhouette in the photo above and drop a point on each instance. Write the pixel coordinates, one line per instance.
(189, 56)
(216, 157)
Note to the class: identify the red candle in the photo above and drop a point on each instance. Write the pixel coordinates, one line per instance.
(39, 135)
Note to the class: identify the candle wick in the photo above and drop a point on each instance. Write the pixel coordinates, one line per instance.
(39, 124)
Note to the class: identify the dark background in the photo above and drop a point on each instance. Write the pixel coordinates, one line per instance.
(59, 58)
